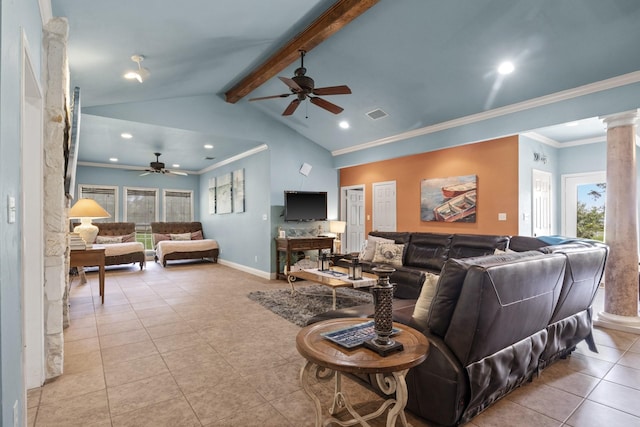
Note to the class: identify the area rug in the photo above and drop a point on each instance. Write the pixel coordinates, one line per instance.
(308, 301)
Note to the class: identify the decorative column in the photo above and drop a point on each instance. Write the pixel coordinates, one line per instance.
(621, 227)
(56, 225)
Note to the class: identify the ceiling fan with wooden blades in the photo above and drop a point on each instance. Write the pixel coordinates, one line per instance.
(158, 167)
(303, 87)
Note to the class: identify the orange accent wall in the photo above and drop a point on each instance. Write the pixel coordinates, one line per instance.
(495, 163)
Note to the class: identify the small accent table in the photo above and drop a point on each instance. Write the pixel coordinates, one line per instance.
(326, 360)
(90, 257)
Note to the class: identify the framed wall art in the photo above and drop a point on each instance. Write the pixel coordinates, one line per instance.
(238, 190)
(223, 194)
(451, 199)
(212, 196)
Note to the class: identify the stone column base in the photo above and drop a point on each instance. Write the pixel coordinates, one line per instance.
(618, 323)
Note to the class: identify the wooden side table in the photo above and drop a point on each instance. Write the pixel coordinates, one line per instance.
(288, 245)
(90, 257)
(326, 360)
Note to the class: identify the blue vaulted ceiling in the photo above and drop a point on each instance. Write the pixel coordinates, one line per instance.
(425, 63)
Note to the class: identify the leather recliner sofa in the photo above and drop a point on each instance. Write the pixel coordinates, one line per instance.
(494, 322)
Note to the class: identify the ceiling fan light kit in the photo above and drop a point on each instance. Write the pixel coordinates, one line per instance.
(158, 167)
(141, 74)
(303, 87)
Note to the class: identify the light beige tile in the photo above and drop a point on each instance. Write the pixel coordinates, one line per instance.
(190, 356)
(616, 339)
(167, 329)
(171, 413)
(630, 359)
(587, 365)
(75, 333)
(122, 353)
(561, 377)
(81, 346)
(198, 377)
(591, 414)
(117, 327)
(264, 415)
(72, 385)
(134, 370)
(219, 402)
(177, 342)
(608, 354)
(139, 394)
(624, 375)
(80, 362)
(552, 402)
(122, 338)
(89, 409)
(507, 413)
(617, 396)
(160, 319)
(33, 397)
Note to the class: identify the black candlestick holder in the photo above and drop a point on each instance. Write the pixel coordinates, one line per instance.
(382, 292)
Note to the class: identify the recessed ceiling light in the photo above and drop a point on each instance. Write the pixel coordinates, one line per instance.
(126, 135)
(175, 165)
(572, 124)
(344, 124)
(113, 159)
(506, 68)
(208, 146)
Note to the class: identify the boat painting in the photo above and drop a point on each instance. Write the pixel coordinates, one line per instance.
(432, 198)
(456, 208)
(458, 189)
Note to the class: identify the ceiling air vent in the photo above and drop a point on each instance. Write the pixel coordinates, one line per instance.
(376, 114)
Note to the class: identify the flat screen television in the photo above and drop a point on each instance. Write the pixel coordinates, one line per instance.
(305, 205)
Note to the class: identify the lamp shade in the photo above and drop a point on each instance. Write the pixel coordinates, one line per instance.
(337, 227)
(87, 208)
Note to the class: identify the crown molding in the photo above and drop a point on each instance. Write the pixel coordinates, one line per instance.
(234, 158)
(614, 82)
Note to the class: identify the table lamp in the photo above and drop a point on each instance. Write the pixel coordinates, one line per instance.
(86, 210)
(338, 228)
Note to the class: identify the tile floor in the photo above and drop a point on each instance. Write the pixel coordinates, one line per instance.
(184, 346)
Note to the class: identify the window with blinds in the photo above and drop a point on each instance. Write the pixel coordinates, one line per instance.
(105, 196)
(141, 205)
(178, 206)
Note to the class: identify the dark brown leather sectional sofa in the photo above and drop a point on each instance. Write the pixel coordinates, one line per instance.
(495, 320)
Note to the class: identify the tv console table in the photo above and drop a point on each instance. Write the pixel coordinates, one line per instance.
(296, 244)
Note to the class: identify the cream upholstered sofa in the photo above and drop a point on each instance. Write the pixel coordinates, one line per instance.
(120, 245)
(182, 240)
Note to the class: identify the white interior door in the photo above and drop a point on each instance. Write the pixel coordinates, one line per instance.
(384, 206)
(31, 218)
(541, 206)
(577, 188)
(353, 203)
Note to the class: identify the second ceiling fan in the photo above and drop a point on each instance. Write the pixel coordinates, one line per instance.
(302, 87)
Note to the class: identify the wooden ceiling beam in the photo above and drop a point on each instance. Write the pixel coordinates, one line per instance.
(329, 23)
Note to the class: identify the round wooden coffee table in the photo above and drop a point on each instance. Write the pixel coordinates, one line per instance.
(326, 360)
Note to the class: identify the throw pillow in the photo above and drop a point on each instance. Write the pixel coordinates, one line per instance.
(159, 237)
(197, 235)
(370, 248)
(108, 239)
(428, 291)
(388, 253)
(128, 238)
(180, 236)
